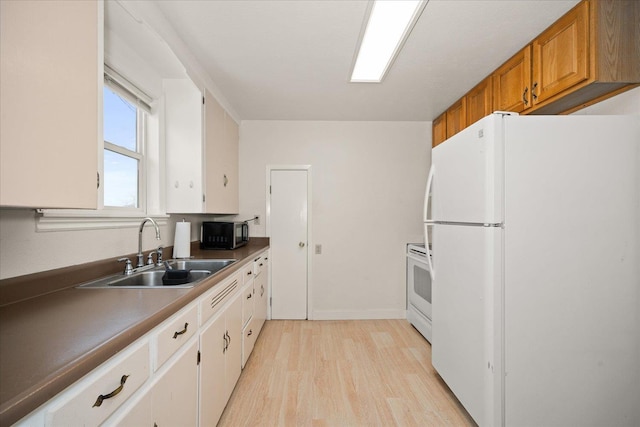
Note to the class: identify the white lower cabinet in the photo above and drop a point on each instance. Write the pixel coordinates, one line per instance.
(94, 398)
(181, 373)
(261, 286)
(172, 397)
(220, 354)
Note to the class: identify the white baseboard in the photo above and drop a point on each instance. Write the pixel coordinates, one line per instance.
(358, 314)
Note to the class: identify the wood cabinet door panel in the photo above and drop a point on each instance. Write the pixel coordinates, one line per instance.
(457, 117)
(479, 102)
(561, 54)
(512, 83)
(439, 130)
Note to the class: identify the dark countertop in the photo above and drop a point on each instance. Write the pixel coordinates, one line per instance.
(49, 341)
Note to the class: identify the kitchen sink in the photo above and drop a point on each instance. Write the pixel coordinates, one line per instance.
(212, 265)
(151, 277)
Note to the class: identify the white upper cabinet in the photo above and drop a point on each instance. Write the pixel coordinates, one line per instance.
(183, 153)
(221, 158)
(51, 85)
(201, 151)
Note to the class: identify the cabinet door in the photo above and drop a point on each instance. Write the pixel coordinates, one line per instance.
(183, 140)
(213, 347)
(51, 85)
(221, 158)
(233, 363)
(479, 101)
(512, 83)
(561, 54)
(175, 395)
(439, 133)
(457, 117)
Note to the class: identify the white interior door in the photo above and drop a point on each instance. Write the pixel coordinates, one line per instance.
(288, 220)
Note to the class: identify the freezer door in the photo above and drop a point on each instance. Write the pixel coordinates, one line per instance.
(467, 175)
(466, 316)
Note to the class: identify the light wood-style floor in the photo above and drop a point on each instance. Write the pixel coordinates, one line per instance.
(342, 373)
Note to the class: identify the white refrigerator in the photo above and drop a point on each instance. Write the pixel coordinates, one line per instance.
(535, 229)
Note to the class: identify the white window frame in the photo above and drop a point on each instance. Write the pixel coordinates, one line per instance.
(105, 217)
(139, 154)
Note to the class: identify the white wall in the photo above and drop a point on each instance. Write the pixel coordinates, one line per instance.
(368, 183)
(23, 250)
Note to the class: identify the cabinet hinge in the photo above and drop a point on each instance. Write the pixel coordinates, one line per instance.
(203, 100)
(269, 189)
(270, 299)
(198, 358)
(203, 198)
(98, 174)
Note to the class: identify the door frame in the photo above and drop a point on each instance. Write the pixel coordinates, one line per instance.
(306, 168)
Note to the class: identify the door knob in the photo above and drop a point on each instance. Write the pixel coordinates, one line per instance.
(301, 244)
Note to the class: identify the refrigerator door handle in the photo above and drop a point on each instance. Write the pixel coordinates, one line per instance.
(427, 192)
(432, 273)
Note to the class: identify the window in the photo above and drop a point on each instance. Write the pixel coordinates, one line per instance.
(123, 128)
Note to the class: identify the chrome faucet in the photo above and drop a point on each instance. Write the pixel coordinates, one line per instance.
(140, 262)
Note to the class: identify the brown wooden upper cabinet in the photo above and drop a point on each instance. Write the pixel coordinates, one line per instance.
(512, 83)
(589, 53)
(479, 101)
(561, 55)
(439, 130)
(457, 117)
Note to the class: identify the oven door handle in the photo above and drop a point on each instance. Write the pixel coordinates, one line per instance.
(426, 246)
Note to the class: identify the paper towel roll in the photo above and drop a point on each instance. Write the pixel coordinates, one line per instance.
(182, 242)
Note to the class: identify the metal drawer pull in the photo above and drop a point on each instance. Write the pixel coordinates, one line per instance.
(249, 296)
(175, 334)
(524, 96)
(533, 91)
(112, 394)
(250, 332)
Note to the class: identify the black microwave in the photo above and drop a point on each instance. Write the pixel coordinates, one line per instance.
(223, 235)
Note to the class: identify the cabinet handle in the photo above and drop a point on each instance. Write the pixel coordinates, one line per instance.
(225, 180)
(249, 273)
(175, 334)
(249, 296)
(228, 338)
(112, 394)
(226, 344)
(261, 290)
(524, 95)
(533, 91)
(250, 332)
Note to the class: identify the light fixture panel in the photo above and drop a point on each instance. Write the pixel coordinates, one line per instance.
(389, 24)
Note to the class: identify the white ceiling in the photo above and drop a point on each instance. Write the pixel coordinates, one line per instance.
(290, 60)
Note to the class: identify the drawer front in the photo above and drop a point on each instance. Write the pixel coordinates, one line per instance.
(247, 273)
(102, 395)
(258, 265)
(249, 336)
(175, 333)
(248, 296)
(218, 296)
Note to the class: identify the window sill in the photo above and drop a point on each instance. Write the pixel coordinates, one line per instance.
(69, 220)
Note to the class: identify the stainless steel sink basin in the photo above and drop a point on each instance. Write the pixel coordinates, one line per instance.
(151, 277)
(154, 278)
(212, 265)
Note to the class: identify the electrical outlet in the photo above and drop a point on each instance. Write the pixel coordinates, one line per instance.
(257, 220)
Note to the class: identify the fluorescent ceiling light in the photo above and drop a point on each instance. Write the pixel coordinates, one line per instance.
(389, 24)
